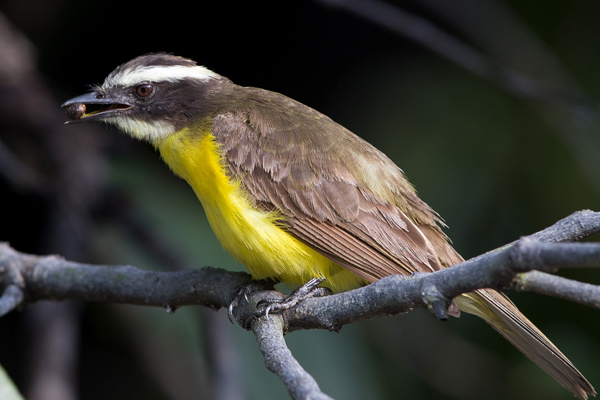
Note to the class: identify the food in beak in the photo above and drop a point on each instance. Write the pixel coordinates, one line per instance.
(75, 111)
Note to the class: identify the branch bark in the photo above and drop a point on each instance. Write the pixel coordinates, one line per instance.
(279, 360)
(523, 266)
(54, 278)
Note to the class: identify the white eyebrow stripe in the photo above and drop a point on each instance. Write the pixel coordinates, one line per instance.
(171, 73)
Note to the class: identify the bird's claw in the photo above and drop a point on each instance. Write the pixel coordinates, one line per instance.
(239, 292)
(242, 292)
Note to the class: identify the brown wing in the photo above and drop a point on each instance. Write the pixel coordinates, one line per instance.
(338, 194)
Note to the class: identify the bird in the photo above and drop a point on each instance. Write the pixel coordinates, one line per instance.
(293, 195)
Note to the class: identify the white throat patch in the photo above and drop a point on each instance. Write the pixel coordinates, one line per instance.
(171, 73)
(142, 130)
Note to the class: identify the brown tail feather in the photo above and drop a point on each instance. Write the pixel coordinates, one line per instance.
(498, 311)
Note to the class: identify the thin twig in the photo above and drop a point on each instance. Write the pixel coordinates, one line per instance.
(576, 226)
(557, 286)
(12, 298)
(279, 360)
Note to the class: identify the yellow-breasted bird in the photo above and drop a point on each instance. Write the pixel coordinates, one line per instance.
(293, 195)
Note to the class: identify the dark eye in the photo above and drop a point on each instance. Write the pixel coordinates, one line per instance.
(144, 90)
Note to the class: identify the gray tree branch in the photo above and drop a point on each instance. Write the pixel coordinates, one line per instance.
(279, 360)
(54, 278)
(523, 265)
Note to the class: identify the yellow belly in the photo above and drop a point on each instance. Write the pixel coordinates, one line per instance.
(253, 237)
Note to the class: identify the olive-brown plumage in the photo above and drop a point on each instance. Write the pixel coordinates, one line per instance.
(339, 194)
(351, 203)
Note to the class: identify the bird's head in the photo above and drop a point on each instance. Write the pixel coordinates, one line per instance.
(149, 97)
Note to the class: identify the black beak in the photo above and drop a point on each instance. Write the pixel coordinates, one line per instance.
(109, 107)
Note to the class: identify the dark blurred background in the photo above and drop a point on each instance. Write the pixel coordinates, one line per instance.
(488, 106)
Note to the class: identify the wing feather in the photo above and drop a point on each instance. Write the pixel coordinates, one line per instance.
(336, 193)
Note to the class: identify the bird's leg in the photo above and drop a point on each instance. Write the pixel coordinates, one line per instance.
(306, 291)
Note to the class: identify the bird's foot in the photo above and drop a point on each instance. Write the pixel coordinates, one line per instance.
(306, 291)
(242, 292)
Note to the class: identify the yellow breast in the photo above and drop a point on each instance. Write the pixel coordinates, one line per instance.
(253, 237)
